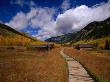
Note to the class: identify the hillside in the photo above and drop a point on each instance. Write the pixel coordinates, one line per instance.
(62, 39)
(9, 36)
(92, 31)
(8, 31)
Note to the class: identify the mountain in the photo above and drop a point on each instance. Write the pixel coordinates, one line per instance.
(8, 31)
(61, 39)
(12, 37)
(94, 30)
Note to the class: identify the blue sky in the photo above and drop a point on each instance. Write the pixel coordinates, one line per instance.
(46, 18)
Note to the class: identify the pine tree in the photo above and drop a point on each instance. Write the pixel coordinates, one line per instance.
(107, 45)
(77, 47)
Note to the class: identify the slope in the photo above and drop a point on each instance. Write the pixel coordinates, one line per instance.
(93, 31)
(9, 36)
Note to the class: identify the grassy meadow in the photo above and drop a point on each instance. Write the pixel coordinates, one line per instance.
(97, 62)
(23, 65)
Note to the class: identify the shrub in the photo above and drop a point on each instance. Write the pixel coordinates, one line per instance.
(107, 45)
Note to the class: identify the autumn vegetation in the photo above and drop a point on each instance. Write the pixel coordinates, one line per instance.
(18, 40)
(19, 62)
(99, 43)
(23, 65)
(96, 62)
(11, 37)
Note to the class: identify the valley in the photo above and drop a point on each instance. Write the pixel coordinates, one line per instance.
(24, 58)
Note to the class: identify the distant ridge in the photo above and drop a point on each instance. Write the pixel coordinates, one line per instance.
(94, 30)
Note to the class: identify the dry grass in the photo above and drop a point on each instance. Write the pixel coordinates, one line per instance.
(32, 66)
(96, 61)
(100, 41)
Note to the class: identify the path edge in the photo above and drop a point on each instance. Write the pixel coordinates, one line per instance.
(88, 71)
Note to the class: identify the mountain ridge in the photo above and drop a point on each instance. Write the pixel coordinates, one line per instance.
(93, 30)
(9, 29)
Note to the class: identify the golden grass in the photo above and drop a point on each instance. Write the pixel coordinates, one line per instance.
(100, 41)
(19, 65)
(96, 61)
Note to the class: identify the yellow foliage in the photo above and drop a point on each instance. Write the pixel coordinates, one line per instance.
(18, 40)
(101, 42)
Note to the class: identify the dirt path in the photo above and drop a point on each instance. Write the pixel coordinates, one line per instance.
(76, 72)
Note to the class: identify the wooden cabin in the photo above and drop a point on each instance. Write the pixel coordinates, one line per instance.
(79, 46)
(43, 47)
(86, 46)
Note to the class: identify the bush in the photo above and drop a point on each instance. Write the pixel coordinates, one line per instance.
(107, 45)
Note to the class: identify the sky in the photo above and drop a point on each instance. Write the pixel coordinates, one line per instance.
(47, 18)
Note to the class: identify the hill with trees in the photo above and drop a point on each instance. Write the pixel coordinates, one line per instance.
(95, 32)
(9, 37)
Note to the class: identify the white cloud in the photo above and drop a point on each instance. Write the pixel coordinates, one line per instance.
(44, 20)
(43, 17)
(65, 5)
(19, 21)
(37, 18)
(32, 13)
(42, 34)
(77, 18)
(70, 21)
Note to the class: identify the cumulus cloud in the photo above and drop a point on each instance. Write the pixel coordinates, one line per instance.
(71, 20)
(19, 21)
(43, 34)
(77, 18)
(44, 20)
(41, 18)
